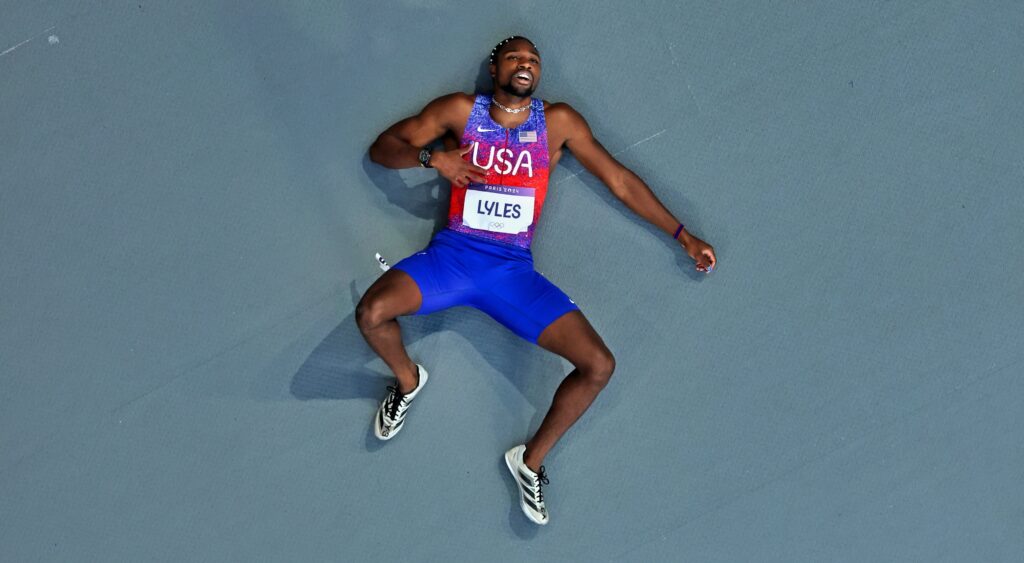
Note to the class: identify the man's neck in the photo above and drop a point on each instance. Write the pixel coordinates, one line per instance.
(510, 100)
(506, 119)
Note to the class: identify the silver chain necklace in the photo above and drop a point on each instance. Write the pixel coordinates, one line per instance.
(510, 110)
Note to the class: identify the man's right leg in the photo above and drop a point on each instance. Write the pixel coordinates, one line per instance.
(394, 294)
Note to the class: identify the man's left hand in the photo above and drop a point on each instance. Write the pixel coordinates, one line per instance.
(701, 252)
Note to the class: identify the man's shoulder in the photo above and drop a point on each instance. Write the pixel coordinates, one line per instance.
(562, 116)
(557, 107)
(561, 110)
(460, 97)
(455, 100)
(450, 109)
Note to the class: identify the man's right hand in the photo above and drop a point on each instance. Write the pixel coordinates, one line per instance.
(454, 168)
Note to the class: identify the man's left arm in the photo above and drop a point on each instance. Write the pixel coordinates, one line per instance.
(627, 186)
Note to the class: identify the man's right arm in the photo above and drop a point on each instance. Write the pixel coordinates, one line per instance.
(399, 146)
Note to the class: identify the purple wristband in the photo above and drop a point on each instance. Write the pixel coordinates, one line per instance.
(679, 230)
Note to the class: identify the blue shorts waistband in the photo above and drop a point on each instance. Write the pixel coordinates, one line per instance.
(480, 244)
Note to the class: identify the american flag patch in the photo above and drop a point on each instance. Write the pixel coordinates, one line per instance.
(527, 136)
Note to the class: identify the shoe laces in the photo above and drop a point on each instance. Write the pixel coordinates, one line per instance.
(542, 479)
(395, 399)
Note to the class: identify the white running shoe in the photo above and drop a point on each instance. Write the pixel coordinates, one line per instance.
(531, 497)
(391, 414)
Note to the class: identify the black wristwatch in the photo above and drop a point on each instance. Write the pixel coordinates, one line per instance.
(425, 158)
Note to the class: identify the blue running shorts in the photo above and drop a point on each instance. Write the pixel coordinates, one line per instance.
(498, 279)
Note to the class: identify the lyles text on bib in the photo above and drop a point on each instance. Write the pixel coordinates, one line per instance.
(498, 209)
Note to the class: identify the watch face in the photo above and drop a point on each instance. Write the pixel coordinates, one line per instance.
(425, 157)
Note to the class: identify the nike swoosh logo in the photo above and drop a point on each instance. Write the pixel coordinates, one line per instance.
(480, 129)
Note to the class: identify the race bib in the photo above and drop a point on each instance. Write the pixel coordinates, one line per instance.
(499, 209)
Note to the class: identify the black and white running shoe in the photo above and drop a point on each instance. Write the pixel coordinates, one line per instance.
(392, 411)
(531, 496)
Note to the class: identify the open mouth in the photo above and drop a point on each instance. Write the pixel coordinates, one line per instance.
(523, 77)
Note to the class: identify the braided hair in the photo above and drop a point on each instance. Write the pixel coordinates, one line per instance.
(506, 41)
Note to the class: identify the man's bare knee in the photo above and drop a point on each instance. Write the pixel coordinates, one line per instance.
(599, 367)
(370, 314)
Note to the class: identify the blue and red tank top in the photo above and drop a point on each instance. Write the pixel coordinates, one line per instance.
(506, 206)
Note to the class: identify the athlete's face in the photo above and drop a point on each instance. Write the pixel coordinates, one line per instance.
(516, 68)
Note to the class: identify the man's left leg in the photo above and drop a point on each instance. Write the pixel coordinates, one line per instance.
(571, 337)
(528, 304)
